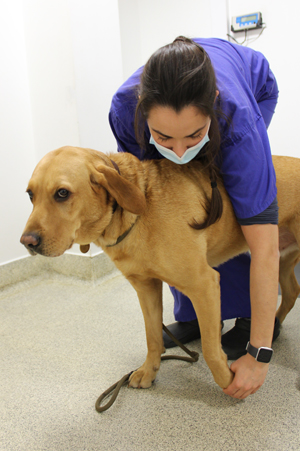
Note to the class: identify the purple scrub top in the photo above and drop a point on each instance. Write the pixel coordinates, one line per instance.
(246, 83)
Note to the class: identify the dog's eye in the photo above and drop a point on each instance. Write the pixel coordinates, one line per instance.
(30, 194)
(61, 195)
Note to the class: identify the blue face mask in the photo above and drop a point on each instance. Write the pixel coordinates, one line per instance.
(188, 155)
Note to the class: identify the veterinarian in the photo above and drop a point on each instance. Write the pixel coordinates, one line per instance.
(212, 100)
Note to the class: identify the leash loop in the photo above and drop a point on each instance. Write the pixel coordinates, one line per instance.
(194, 356)
(115, 388)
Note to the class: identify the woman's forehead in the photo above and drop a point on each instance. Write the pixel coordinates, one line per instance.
(172, 123)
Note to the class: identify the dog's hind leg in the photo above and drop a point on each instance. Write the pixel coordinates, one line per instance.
(290, 288)
(205, 296)
(150, 296)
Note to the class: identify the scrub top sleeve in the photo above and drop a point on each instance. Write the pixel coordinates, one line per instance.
(248, 171)
(263, 82)
(126, 141)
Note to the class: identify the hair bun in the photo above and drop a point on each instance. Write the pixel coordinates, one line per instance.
(181, 39)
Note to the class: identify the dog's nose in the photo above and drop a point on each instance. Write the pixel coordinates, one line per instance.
(31, 240)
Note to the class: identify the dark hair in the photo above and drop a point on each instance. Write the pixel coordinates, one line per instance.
(176, 76)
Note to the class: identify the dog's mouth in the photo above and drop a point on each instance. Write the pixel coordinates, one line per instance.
(31, 251)
(72, 242)
(46, 251)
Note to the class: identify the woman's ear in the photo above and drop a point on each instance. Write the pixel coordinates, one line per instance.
(217, 93)
(127, 195)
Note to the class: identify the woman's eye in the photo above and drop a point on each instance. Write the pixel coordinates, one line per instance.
(197, 136)
(162, 139)
(62, 194)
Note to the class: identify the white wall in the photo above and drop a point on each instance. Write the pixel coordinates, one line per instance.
(98, 68)
(279, 43)
(51, 74)
(16, 134)
(145, 26)
(60, 65)
(74, 65)
(61, 62)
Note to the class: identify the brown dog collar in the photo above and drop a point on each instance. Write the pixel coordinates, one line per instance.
(116, 166)
(121, 237)
(115, 206)
(124, 235)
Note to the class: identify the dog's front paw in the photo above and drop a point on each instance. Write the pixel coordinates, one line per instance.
(224, 379)
(221, 372)
(143, 377)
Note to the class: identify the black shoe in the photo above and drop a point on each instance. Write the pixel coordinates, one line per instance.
(234, 342)
(183, 331)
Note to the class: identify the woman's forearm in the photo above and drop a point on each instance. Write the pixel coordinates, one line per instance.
(264, 270)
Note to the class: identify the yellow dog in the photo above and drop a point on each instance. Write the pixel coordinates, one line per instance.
(140, 214)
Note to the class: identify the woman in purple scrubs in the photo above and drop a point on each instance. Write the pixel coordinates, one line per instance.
(212, 100)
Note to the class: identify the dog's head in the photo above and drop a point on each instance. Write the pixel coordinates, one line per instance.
(73, 192)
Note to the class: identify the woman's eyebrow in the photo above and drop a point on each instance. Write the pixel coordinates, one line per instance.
(196, 131)
(162, 134)
(170, 137)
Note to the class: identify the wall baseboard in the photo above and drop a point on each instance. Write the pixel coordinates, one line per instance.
(83, 268)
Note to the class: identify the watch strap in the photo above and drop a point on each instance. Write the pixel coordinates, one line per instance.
(262, 354)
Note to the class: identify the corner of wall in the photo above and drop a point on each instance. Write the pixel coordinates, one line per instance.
(88, 268)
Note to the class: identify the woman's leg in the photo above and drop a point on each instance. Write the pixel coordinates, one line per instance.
(235, 300)
(235, 297)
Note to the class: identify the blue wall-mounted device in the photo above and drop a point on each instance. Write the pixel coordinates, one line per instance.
(246, 22)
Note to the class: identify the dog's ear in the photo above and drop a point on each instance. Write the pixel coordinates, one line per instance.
(127, 195)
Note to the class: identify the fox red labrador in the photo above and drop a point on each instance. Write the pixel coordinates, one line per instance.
(140, 213)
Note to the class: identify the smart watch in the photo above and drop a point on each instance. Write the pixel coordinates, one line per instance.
(260, 354)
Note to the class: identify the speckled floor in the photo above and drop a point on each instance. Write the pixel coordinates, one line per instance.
(63, 342)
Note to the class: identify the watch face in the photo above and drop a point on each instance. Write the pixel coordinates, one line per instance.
(264, 355)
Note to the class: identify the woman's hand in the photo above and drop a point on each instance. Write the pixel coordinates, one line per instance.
(249, 375)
